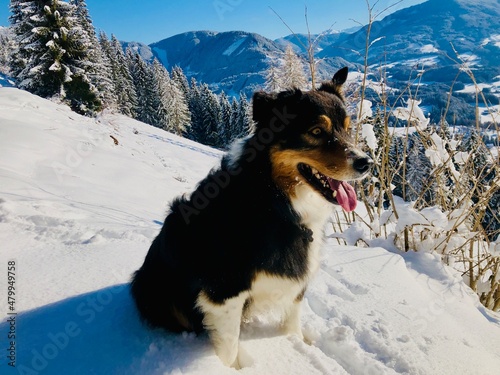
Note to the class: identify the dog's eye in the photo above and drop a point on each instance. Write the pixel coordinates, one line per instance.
(316, 132)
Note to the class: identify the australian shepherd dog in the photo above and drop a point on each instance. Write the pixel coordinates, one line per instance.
(249, 236)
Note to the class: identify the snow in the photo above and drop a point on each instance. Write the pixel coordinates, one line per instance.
(424, 62)
(494, 39)
(233, 47)
(78, 212)
(6, 81)
(380, 87)
(428, 48)
(412, 113)
(162, 56)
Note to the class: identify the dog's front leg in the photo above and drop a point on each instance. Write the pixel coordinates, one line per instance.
(291, 323)
(222, 321)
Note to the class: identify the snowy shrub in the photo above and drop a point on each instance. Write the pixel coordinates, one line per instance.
(430, 191)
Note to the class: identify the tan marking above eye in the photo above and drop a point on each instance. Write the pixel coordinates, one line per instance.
(326, 122)
(347, 123)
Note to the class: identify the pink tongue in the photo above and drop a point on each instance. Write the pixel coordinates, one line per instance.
(346, 195)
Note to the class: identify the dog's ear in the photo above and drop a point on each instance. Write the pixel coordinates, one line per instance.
(335, 85)
(262, 104)
(340, 77)
(267, 107)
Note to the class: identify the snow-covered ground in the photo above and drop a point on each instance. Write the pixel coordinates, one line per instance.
(77, 215)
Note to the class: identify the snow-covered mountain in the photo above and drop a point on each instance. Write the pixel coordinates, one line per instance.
(81, 200)
(231, 61)
(422, 38)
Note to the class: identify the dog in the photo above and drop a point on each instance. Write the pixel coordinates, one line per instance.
(249, 236)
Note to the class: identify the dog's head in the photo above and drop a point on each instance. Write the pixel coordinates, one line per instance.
(307, 135)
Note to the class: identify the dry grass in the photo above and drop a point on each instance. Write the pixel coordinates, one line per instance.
(461, 189)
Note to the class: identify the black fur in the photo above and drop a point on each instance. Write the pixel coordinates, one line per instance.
(249, 226)
(238, 221)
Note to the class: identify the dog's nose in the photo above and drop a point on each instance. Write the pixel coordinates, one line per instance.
(362, 164)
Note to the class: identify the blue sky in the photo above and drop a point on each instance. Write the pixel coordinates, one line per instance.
(149, 21)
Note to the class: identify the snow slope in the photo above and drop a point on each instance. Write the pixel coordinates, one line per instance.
(77, 215)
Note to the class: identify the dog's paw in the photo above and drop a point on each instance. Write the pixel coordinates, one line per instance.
(244, 359)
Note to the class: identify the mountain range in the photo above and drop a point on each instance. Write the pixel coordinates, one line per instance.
(424, 50)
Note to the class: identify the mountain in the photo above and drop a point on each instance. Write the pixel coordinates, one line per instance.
(79, 211)
(231, 61)
(300, 42)
(429, 33)
(142, 49)
(424, 38)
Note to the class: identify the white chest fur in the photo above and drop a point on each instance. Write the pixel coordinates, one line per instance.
(277, 294)
(314, 211)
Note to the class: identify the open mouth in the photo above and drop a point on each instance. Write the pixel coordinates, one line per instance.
(334, 191)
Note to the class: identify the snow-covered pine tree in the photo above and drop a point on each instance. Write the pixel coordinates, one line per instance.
(109, 60)
(274, 76)
(146, 89)
(55, 54)
(420, 187)
(196, 131)
(162, 82)
(225, 120)
(397, 152)
(21, 25)
(122, 79)
(98, 68)
(233, 122)
(244, 118)
(7, 47)
(479, 160)
(211, 115)
(181, 81)
(480, 175)
(173, 113)
(293, 73)
(179, 116)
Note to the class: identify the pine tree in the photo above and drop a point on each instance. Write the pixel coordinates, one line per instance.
(293, 75)
(205, 115)
(52, 53)
(110, 64)
(195, 131)
(274, 77)
(211, 115)
(172, 112)
(418, 173)
(145, 88)
(181, 81)
(98, 67)
(162, 83)
(244, 118)
(122, 79)
(179, 117)
(21, 24)
(225, 120)
(396, 161)
(7, 47)
(478, 160)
